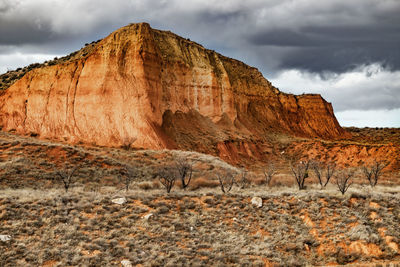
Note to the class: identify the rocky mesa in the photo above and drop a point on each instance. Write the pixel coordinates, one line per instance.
(152, 89)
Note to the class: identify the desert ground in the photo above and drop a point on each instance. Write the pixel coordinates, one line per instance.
(101, 222)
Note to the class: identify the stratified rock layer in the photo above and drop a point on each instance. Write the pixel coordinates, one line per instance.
(153, 89)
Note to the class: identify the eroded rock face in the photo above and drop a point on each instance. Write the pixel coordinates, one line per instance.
(142, 87)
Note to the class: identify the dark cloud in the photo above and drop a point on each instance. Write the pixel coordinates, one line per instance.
(336, 49)
(317, 36)
(20, 32)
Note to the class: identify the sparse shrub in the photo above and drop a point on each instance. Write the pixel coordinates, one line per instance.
(269, 172)
(343, 180)
(244, 180)
(130, 173)
(167, 176)
(324, 172)
(185, 170)
(127, 142)
(226, 180)
(373, 173)
(300, 172)
(66, 176)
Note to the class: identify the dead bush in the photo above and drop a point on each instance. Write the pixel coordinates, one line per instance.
(66, 176)
(324, 172)
(244, 180)
(185, 170)
(129, 172)
(269, 172)
(374, 172)
(300, 172)
(127, 142)
(167, 176)
(226, 180)
(343, 180)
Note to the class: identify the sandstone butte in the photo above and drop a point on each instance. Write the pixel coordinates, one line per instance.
(153, 89)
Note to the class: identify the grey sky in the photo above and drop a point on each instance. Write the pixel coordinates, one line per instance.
(346, 50)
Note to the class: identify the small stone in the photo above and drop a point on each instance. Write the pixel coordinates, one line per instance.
(120, 200)
(126, 263)
(257, 201)
(147, 216)
(5, 238)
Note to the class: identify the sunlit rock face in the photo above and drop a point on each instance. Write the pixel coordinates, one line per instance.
(153, 89)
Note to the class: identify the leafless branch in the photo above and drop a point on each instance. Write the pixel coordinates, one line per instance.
(185, 170)
(300, 172)
(269, 172)
(226, 180)
(373, 173)
(244, 180)
(324, 172)
(167, 176)
(66, 176)
(130, 173)
(343, 180)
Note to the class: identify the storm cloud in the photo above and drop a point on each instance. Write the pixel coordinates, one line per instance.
(323, 42)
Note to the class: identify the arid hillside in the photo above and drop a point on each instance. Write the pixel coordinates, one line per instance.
(43, 225)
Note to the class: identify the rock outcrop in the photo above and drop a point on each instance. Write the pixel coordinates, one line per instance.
(147, 88)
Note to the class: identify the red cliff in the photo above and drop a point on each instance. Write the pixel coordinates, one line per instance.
(157, 90)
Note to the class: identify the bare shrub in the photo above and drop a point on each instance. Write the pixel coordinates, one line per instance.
(66, 176)
(226, 180)
(269, 172)
(130, 173)
(127, 142)
(343, 180)
(167, 176)
(324, 172)
(185, 170)
(300, 172)
(244, 181)
(373, 173)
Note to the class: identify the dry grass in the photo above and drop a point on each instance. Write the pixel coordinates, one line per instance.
(201, 227)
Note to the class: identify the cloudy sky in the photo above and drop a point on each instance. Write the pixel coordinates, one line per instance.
(348, 51)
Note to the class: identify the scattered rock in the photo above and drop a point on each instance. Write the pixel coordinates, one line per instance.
(126, 263)
(120, 200)
(147, 216)
(5, 238)
(257, 201)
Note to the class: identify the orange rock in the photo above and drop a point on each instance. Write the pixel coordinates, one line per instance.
(153, 89)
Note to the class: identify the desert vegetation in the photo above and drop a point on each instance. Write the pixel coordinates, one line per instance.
(323, 172)
(343, 180)
(181, 208)
(66, 176)
(374, 172)
(300, 172)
